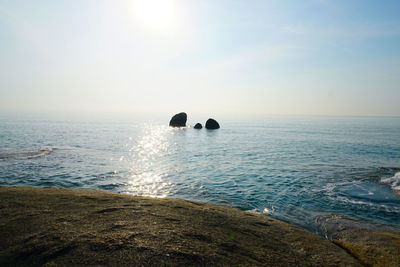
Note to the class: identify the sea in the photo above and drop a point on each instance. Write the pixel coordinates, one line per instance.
(296, 169)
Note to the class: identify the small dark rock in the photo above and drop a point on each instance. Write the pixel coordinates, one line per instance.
(212, 124)
(198, 126)
(178, 120)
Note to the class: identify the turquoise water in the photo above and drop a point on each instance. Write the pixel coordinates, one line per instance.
(292, 168)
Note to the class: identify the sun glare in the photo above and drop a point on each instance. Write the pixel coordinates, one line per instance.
(158, 15)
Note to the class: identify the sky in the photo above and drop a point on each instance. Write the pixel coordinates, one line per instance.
(269, 57)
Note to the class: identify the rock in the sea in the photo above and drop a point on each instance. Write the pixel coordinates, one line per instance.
(178, 120)
(212, 124)
(198, 126)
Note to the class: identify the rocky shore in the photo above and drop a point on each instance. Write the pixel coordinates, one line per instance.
(67, 227)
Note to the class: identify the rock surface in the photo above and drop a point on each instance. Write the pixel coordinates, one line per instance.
(198, 126)
(371, 244)
(178, 120)
(69, 227)
(212, 124)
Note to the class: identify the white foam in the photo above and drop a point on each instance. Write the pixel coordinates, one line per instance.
(268, 210)
(264, 211)
(393, 181)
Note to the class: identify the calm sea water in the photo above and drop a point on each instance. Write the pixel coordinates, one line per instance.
(295, 169)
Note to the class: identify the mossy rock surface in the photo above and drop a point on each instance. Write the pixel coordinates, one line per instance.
(67, 227)
(372, 244)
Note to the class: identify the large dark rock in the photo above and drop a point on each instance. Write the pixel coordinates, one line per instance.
(212, 124)
(198, 126)
(178, 120)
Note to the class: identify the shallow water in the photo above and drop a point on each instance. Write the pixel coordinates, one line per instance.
(295, 169)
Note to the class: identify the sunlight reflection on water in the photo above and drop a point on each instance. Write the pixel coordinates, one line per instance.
(145, 178)
(291, 168)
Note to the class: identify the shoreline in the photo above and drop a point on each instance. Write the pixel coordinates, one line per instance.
(59, 227)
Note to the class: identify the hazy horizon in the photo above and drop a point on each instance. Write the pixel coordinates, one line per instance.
(215, 58)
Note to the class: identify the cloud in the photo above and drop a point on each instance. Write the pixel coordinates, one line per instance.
(359, 30)
(299, 29)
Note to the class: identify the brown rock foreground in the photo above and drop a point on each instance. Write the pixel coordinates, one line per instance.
(66, 227)
(371, 244)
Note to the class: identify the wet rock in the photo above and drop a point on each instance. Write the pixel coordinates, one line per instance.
(212, 124)
(198, 126)
(178, 120)
(372, 244)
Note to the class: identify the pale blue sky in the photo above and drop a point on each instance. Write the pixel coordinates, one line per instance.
(311, 57)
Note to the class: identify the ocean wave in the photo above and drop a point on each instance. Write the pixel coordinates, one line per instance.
(26, 154)
(393, 182)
